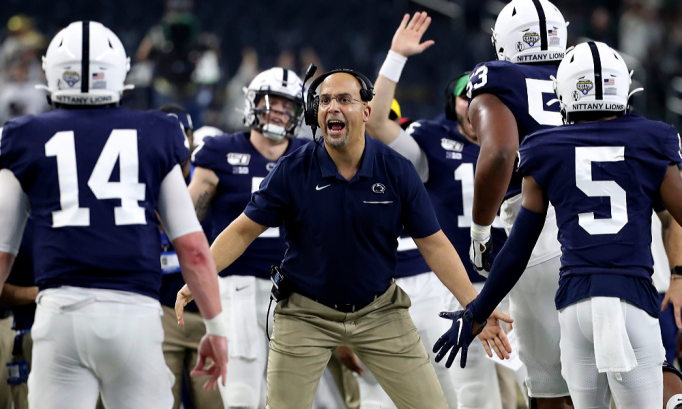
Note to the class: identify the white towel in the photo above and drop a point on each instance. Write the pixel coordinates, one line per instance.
(612, 348)
(243, 329)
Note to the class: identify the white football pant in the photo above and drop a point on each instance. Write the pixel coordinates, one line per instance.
(642, 387)
(83, 346)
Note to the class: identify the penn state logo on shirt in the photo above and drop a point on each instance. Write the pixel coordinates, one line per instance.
(71, 77)
(238, 159)
(531, 38)
(270, 166)
(584, 86)
(378, 188)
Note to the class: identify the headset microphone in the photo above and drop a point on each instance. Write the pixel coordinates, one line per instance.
(310, 72)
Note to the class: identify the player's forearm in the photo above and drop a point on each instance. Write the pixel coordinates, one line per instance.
(380, 126)
(234, 240)
(16, 295)
(199, 272)
(444, 261)
(672, 241)
(202, 189)
(6, 261)
(493, 173)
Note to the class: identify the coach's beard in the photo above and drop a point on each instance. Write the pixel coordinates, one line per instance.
(336, 143)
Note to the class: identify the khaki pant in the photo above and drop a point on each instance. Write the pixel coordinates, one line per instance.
(381, 334)
(6, 344)
(180, 351)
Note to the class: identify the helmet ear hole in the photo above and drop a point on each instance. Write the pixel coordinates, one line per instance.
(514, 12)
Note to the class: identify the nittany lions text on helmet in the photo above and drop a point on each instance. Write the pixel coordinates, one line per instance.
(592, 77)
(273, 82)
(85, 64)
(530, 31)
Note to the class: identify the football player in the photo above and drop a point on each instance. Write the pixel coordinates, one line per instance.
(508, 102)
(438, 150)
(228, 169)
(605, 171)
(94, 174)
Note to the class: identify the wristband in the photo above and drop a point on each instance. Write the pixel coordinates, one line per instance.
(676, 271)
(217, 325)
(479, 232)
(393, 66)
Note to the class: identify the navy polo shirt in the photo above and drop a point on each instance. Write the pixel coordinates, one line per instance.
(342, 235)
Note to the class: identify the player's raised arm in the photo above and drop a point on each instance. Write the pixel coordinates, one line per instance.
(406, 42)
(202, 189)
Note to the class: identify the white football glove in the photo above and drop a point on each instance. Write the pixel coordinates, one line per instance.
(481, 247)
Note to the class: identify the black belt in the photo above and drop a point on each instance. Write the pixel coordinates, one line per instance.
(345, 308)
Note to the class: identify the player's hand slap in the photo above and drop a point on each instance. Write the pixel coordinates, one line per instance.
(463, 332)
(183, 298)
(214, 348)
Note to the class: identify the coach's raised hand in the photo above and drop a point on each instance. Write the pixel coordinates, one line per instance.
(406, 40)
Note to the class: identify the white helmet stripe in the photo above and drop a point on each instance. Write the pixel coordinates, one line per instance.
(598, 82)
(85, 59)
(544, 43)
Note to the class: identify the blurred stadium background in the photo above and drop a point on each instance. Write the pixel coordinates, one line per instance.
(201, 53)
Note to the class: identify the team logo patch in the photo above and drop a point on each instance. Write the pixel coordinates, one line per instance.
(270, 166)
(576, 95)
(450, 145)
(238, 159)
(584, 86)
(378, 188)
(531, 38)
(71, 77)
(520, 46)
(240, 170)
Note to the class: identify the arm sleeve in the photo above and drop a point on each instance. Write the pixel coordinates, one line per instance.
(14, 210)
(409, 148)
(269, 201)
(509, 264)
(175, 206)
(418, 217)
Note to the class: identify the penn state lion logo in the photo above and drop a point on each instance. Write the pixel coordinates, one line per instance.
(531, 38)
(520, 46)
(584, 86)
(576, 95)
(378, 188)
(71, 77)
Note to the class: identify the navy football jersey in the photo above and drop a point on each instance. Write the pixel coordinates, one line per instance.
(240, 169)
(452, 162)
(525, 90)
(93, 177)
(603, 178)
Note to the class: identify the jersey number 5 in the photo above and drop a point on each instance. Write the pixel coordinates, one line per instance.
(122, 147)
(584, 156)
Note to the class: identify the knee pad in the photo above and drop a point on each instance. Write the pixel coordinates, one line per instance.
(668, 367)
(674, 403)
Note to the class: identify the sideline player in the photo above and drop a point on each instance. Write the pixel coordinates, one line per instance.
(508, 101)
(604, 172)
(97, 326)
(228, 169)
(438, 150)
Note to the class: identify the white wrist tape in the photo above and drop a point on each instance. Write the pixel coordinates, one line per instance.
(393, 66)
(479, 232)
(217, 325)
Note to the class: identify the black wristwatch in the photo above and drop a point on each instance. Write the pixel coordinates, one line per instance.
(676, 271)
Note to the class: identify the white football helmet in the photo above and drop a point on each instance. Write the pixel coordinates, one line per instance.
(528, 31)
(592, 77)
(85, 64)
(275, 81)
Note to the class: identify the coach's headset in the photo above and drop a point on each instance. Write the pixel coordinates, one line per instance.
(312, 101)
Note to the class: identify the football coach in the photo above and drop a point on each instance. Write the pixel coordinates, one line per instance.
(344, 203)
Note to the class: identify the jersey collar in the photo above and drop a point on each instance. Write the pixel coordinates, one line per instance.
(328, 167)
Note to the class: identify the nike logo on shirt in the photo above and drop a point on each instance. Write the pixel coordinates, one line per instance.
(320, 188)
(240, 288)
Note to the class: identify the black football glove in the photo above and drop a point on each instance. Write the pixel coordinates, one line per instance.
(458, 336)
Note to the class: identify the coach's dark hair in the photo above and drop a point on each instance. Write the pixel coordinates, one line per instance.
(172, 107)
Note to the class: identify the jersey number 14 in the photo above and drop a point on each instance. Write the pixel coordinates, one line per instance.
(122, 147)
